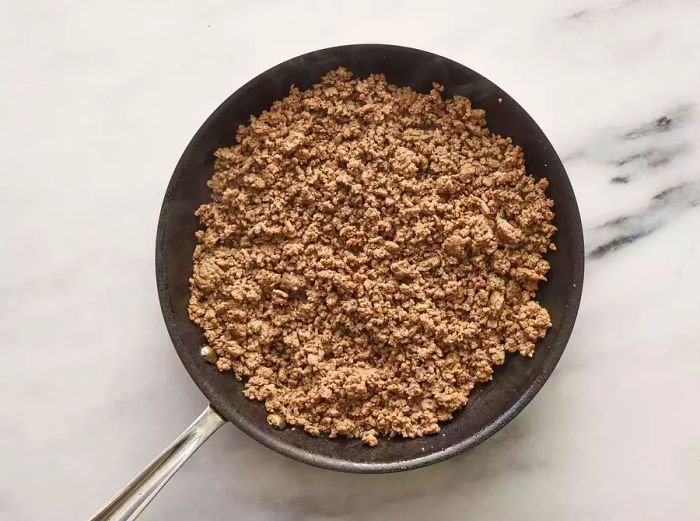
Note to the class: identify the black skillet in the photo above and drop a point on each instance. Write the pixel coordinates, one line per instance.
(490, 406)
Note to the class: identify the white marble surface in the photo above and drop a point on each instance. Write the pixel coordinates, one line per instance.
(97, 101)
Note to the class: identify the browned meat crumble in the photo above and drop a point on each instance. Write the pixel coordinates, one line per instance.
(369, 254)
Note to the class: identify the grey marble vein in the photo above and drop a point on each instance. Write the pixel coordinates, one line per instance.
(589, 14)
(663, 207)
(665, 123)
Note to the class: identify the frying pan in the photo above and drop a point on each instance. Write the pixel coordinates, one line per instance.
(490, 406)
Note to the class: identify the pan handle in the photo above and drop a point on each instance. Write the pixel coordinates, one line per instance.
(135, 496)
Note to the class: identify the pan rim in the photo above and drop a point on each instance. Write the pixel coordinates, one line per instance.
(269, 439)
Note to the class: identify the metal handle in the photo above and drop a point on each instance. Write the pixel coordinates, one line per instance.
(135, 496)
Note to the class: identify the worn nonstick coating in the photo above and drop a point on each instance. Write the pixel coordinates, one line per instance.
(491, 405)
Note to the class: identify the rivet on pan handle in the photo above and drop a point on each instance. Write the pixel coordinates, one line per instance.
(135, 496)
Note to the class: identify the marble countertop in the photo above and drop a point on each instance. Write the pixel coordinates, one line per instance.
(98, 100)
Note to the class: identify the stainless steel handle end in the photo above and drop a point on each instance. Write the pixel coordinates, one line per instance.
(135, 496)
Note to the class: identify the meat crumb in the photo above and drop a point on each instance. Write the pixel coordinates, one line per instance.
(368, 256)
